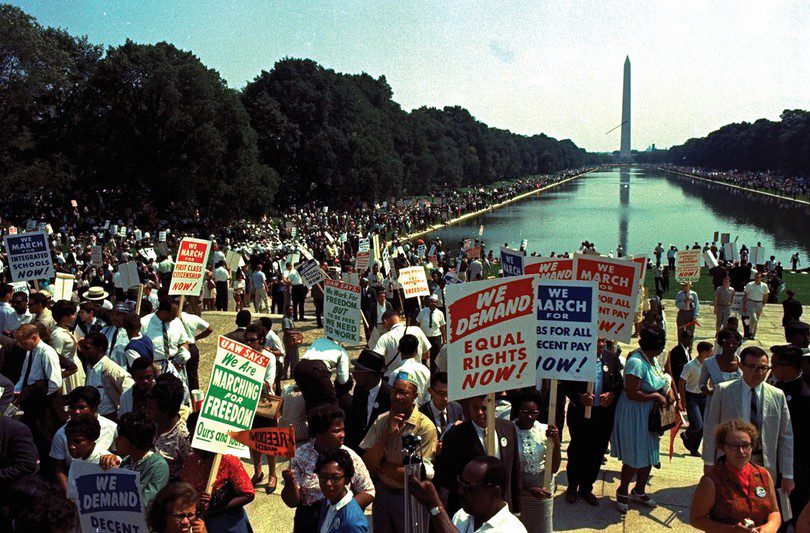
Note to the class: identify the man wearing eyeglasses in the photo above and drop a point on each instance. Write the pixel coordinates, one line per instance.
(753, 400)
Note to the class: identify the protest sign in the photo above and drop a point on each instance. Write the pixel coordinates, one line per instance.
(341, 311)
(292, 259)
(343, 237)
(29, 257)
(420, 250)
(361, 261)
(42, 226)
(375, 248)
(96, 255)
(230, 402)
(524, 243)
(466, 244)
(352, 278)
(711, 260)
(74, 203)
(386, 262)
(687, 265)
(757, 255)
(108, 500)
(232, 260)
(511, 262)
(567, 330)
(724, 238)
(642, 261)
(149, 253)
(311, 273)
(30, 225)
(128, 275)
(12, 230)
(63, 286)
(492, 341)
(433, 259)
(432, 250)
(21, 286)
(550, 267)
(618, 291)
(187, 277)
(303, 251)
(162, 236)
(270, 441)
(138, 234)
(364, 245)
(730, 251)
(450, 277)
(474, 252)
(48, 229)
(414, 281)
(329, 237)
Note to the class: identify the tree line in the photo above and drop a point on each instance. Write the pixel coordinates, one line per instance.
(782, 145)
(155, 121)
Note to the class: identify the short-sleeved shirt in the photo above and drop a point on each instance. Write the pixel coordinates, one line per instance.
(756, 293)
(303, 466)
(258, 279)
(651, 375)
(105, 440)
(194, 326)
(724, 295)
(418, 424)
(433, 329)
(691, 375)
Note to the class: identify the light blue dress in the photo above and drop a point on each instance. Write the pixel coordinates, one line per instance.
(632, 442)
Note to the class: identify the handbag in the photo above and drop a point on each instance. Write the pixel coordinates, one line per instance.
(270, 407)
(293, 338)
(662, 418)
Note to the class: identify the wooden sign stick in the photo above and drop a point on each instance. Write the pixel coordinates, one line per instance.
(552, 417)
(491, 434)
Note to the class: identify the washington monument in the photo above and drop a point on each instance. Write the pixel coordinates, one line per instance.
(624, 151)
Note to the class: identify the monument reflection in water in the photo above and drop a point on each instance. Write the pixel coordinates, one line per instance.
(663, 208)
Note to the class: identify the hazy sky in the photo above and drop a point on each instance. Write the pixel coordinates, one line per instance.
(530, 67)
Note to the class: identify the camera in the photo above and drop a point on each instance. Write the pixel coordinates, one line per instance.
(411, 443)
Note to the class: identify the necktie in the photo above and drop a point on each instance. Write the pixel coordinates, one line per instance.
(430, 322)
(443, 420)
(112, 342)
(30, 356)
(754, 410)
(165, 340)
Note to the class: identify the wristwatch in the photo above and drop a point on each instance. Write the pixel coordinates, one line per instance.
(436, 511)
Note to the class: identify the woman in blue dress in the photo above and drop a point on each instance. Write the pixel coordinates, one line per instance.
(645, 385)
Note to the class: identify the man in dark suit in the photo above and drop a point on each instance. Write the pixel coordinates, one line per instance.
(791, 308)
(680, 355)
(368, 299)
(590, 436)
(464, 442)
(439, 409)
(18, 455)
(372, 397)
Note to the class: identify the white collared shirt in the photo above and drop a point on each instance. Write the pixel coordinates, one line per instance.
(380, 312)
(388, 344)
(372, 399)
(95, 379)
(152, 327)
(44, 367)
(480, 432)
(746, 401)
(59, 449)
(502, 522)
(331, 510)
(14, 320)
(333, 355)
(423, 320)
(437, 416)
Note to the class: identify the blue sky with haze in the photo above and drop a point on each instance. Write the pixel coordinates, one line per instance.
(530, 67)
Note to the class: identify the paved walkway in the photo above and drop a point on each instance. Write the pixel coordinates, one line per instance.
(671, 486)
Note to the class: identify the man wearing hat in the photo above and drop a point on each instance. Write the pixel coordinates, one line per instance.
(371, 397)
(98, 295)
(432, 322)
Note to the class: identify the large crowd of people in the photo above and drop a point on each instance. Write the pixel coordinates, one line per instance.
(110, 375)
(796, 187)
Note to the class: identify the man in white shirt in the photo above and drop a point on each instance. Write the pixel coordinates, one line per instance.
(431, 320)
(168, 335)
(483, 509)
(388, 343)
(419, 373)
(21, 315)
(754, 297)
(258, 290)
(298, 290)
(221, 278)
(474, 270)
(117, 338)
(692, 400)
(6, 311)
(41, 365)
(108, 377)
